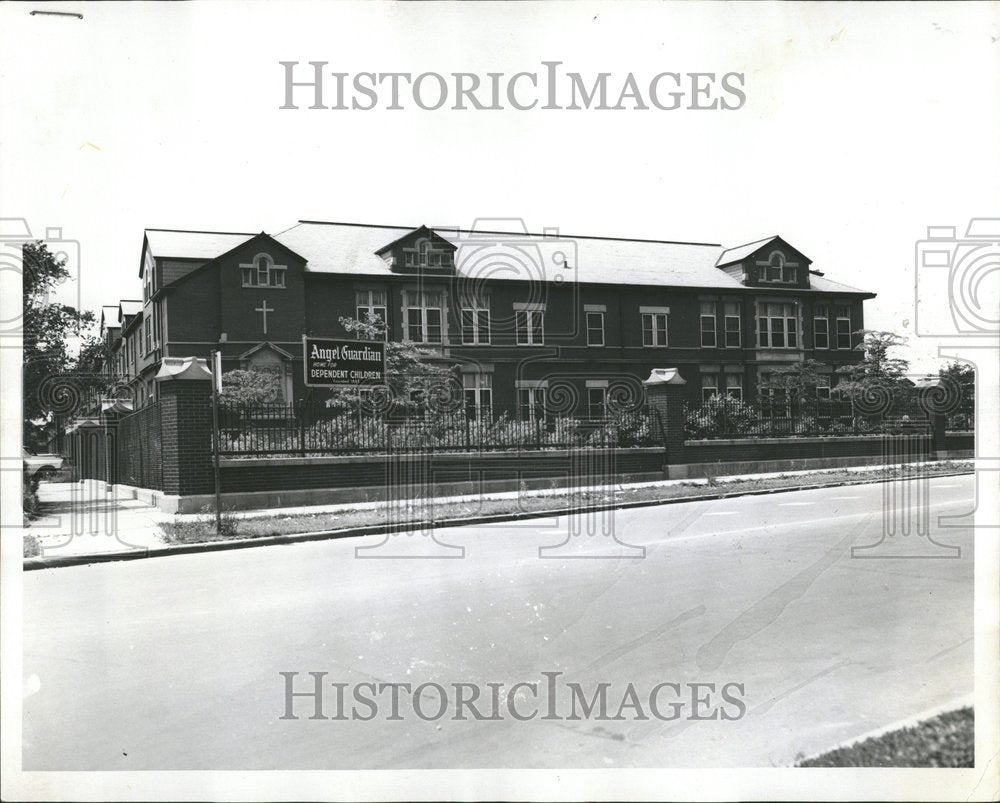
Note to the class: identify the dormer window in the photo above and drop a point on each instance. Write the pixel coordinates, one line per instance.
(777, 270)
(262, 272)
(424, 256)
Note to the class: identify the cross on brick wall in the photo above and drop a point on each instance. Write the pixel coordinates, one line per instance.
(263, 309)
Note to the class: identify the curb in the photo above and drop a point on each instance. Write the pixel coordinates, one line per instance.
(34, 564)
(966, 701)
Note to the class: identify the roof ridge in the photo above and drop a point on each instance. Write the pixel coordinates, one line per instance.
(518, 233)
(201, 231)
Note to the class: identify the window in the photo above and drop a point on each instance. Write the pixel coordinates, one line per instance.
(529, 325)
(709, 386)
(262, 272)
(843, 312)
(821, 326)
(654, 328)
(596, 401)
(424, 313)
(595, 328)
(734, 385)
(478, 391)
(823, 388)
(774, 400)
(476, 323)
(777, 325)
(531, 403)
(731, 310)
(156, 323)
(371, 302)
(708, 324)
(146, 328)
(776, 269)
(423, 256)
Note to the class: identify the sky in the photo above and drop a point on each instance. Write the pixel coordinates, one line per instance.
(863, 125)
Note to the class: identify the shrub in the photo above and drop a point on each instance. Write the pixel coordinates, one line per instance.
(722, 416)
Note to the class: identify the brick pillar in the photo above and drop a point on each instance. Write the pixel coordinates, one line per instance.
(184, 390)
(933, 398)
(665, 396)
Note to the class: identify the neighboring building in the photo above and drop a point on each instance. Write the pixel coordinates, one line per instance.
(515, 311)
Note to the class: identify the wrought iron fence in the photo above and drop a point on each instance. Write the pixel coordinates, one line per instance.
(779, 416)
(314, 428)
(138, 448)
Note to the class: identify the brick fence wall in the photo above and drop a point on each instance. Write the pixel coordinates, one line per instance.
(183, 452)
(294, 473)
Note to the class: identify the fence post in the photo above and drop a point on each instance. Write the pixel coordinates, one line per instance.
(302, 427)
(184, 387)
(665, 394)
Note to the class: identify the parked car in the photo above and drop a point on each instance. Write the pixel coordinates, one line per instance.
(40, 464)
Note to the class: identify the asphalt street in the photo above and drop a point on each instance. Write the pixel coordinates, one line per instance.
(174, 663)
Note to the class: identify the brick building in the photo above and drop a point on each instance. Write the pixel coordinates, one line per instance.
(520, 314)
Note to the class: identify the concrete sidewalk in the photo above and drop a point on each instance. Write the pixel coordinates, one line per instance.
(307, 510)
(85, 519)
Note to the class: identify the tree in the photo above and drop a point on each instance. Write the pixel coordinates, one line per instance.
(799, 380)
(249, 387)
(960, 378)
(50, 389)
(409, 369)
(877, 383)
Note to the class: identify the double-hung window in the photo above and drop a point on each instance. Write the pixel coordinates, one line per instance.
(734, 385)
(478, 392)
(531, 402)
(708, 336)
(529, 324)
(476, 322)
(597, 399)
(654, 325)
(731, 311)
(821, 326)
(424, 316)
(595, 327)
(777, 325)
(373, 303)
(709, 386)
(843, 313)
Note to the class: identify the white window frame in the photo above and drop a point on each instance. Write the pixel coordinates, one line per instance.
(598, 315)
(532, 331)
(734, 381)
(713, 316)
(425, 256)
(653, 315)
(422, 302)
(727, 317)
(766, 329)
(825, 308)
(787, 271)
(477, 310)
(837, 333)
(368, 301)
(274, 275)
(477, 393)
(531, 398)
(600, 385)
(709, 381)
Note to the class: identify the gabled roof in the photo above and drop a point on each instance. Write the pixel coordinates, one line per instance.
(352, 249)
(219, 257)
(128, 307)
(741, 252)
(109, 312)
(179, 244)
